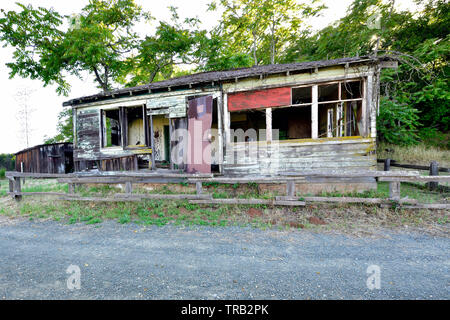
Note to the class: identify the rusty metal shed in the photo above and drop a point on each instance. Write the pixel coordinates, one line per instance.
(46, 158)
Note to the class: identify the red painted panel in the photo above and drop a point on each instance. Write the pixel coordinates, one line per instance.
(259, 99)
(199, 126)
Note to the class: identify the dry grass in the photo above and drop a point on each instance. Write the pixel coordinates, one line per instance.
(419, 154)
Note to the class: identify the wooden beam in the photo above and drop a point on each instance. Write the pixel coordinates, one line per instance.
(268, 124)
(152, 141)
(315, 113)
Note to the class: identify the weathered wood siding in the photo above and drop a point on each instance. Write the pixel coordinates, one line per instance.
(51, 158)
(88, 146)
(333, 153)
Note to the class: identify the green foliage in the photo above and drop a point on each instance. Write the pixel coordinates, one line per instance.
(2, 173)
(7, 161)
(397, 123)
(97, 41)
(262, 28)
(417, 93)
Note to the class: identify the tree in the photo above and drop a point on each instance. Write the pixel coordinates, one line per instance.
(263, 28)
(415, 97)
(99, 41)
(173, 44)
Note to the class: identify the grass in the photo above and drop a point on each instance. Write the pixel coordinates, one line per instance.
(420, 154)
(345, 217)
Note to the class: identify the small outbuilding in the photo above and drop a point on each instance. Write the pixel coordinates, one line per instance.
(46, 158)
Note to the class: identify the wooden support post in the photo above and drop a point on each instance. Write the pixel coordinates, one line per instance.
(198, 187)
(434, 171)
(315, 113)
(128, 187)
(170, 144)
(152, 141)
(387, 164)
(290, 189)
(17, 189)
(394, 190)
(269, 124)
(71, 188)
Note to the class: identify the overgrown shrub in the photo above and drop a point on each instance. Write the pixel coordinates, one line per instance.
(397, 123)
(2, 173)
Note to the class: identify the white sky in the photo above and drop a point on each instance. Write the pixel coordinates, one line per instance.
(45, 101)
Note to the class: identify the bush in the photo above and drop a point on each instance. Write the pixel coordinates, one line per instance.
(2, 173)
(397, 123)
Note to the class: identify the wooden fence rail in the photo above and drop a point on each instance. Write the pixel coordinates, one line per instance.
(289, 178)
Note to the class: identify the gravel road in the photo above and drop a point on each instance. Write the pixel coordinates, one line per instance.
(131, 262)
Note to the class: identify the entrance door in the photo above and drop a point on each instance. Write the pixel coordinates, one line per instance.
(199, 128)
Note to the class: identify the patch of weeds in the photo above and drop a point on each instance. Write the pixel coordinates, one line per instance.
(211, 184)
(190, 206)
(94, 221)
(220, 195)
(235, 186)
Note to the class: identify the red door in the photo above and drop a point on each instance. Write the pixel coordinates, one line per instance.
(199, 128)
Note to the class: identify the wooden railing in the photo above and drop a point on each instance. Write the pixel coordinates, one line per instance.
(290, 179)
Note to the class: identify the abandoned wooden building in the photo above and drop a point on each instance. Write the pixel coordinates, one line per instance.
(46, 158)
(304, 116)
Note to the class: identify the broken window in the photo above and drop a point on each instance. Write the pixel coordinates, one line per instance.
(302, 95)
(137, 127)
(292, 122)
(329, 92)
(248, 125)
(111, 128)
(340, 109)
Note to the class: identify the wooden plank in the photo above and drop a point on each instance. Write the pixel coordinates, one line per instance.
(249, 202)
(347, 200)
(415, 178)
(136, 197)
(38, 193)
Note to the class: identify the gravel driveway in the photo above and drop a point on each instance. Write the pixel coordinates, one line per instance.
(131, 262)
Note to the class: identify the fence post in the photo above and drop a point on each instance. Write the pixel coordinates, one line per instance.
(17, 189)
(394, 190)
(128, 187)
(11, 185)
(290, 189)
(198, 187)
(434, 171)
(387, 164)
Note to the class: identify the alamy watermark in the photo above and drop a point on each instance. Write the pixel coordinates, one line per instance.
(74, 280)
(374, 279)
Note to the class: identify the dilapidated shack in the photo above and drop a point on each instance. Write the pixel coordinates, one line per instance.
(46, 158)
(263, 120)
